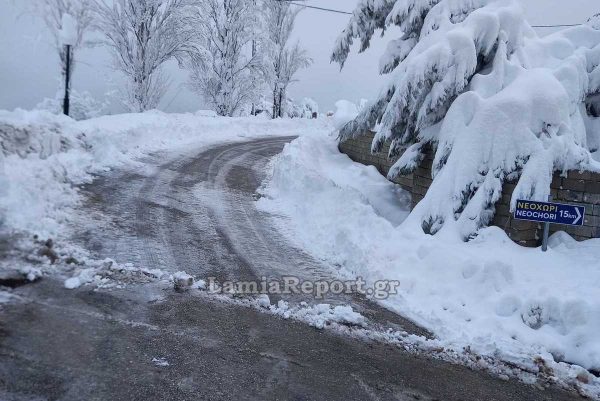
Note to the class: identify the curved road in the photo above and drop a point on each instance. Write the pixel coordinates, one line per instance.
(195, 212)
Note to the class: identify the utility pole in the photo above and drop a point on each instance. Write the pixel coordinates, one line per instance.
(253, 110)
(67, 79)
(68, 37)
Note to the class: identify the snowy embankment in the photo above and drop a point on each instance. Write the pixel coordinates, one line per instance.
(489, 294)
(47, 156)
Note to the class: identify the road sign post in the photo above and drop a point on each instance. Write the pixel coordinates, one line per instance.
(546, 231)
(547, 213)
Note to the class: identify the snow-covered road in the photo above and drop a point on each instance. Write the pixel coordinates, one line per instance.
(197, 215)
(194, 211)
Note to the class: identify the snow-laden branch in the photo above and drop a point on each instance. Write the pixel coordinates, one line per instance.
(368, 16)
(471, 80)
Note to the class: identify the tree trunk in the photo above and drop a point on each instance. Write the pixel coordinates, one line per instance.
(280, 102)
(275, 105)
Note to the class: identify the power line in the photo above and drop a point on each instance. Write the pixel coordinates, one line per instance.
(174, 97)
(349, 13)
(320, 8)
(555, 26)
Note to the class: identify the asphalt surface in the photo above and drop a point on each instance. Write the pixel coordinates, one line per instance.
(195, 212)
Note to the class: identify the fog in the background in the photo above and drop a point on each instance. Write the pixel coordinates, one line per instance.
(29, 67)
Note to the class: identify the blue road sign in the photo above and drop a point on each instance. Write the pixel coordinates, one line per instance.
(549, 212)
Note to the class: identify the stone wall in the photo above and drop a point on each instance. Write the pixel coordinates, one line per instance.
(577, 188)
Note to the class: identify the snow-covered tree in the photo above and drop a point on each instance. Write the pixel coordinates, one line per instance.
(143, 35)
(285, 60)
(228, 73)
(52, 12)
(309, 107)
(291, 109)
(471, 80)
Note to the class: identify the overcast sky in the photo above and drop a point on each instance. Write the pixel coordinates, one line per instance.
(29, 65)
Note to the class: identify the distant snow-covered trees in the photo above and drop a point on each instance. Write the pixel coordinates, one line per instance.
(284, 60)
(227, 72)
(235, 50)
(143, 35)
(245, 46)
(471, 80)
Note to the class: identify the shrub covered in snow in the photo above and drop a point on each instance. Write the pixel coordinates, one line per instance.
(472, 80)
(82, 105)
(291, 109)
(309, 107)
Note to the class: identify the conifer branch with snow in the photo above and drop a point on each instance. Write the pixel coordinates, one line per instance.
(471, 80)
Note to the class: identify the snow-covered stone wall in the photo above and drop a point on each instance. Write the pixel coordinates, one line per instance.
(578, 188)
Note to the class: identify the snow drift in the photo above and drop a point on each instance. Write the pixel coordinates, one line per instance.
(471, 79)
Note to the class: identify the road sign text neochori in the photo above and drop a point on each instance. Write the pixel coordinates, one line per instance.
(548, 212)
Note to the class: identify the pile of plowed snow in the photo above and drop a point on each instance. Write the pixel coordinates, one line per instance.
(488, 294)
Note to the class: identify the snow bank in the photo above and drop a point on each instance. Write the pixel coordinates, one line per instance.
(320, 315)
(35, 132)
(109, 274)
(47, 156)
(513, 303)
(344, 112)
(43, 154)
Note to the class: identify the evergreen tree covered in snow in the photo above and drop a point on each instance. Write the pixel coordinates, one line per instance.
(143, 35)
(285, 60)
(593, 100)
(228, 74)
(471, 80)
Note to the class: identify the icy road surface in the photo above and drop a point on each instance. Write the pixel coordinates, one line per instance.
(196, 213)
